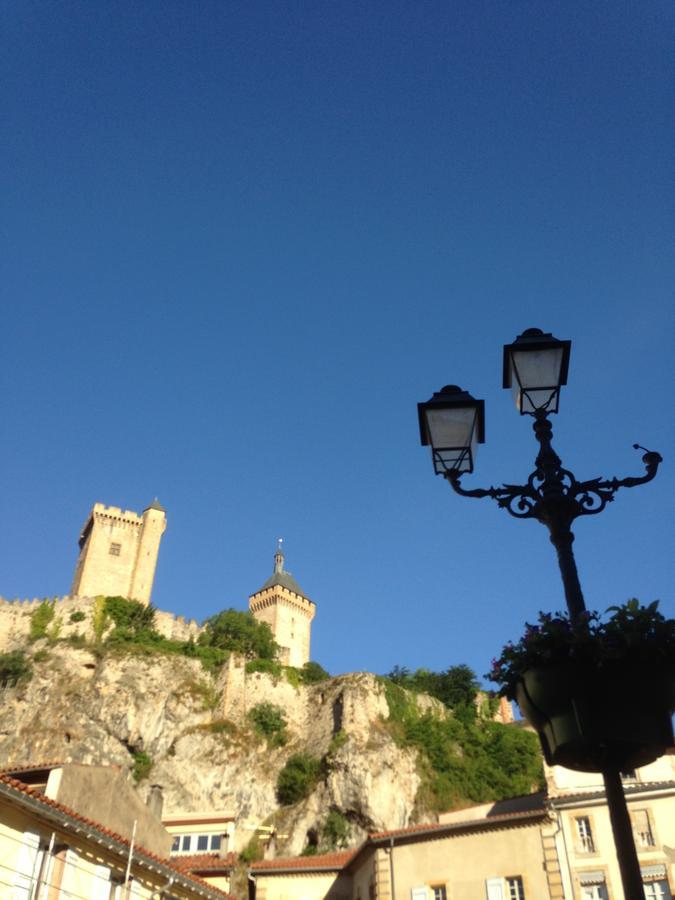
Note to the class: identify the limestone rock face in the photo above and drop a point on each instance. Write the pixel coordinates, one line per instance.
(205, 753)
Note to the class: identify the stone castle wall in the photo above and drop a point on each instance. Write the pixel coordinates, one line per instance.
(15, 618)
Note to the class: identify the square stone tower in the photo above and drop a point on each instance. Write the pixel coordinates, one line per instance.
(282, 604)
(118, 552)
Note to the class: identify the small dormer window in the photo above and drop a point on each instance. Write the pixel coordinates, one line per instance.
(115, 549)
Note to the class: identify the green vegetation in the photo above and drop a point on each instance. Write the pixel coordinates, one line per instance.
(270, 666)
(142, 765)
(77, 616)
(335, 831)
(269, 722)
(133, 631)
(338, 740)
(99, 619)
(41, 655)
(456, 687)
(15, 668)
(312, 672)
(239, 632)
(252, 852)
(40, 620)
(297, 778)
(462, 760)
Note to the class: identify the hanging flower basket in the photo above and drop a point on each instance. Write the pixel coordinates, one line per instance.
(589, 718)
(600, 695)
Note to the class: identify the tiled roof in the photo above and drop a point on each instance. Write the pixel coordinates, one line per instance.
(40, 798)
(486, 821)
(201, 862)
(324, 861)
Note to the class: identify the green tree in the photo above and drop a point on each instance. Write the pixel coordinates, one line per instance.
(40, 619)
(241, 633)
(312, 672)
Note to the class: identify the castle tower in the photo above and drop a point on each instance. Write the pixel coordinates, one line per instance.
(282, 604)
(118, 552)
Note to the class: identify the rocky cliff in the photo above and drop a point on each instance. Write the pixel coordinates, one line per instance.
(190, 732)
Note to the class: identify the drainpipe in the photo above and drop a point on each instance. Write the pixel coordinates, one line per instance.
(251, 885)
(131, 854)
(45, 857)
(159, 892)
(391, 867)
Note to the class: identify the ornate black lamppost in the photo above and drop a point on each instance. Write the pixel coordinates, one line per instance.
(452, 422)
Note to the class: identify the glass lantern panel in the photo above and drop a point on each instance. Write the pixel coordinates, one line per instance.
(452, 427)
(535, 379)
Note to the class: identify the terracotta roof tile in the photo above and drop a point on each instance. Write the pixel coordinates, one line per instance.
(322, 861)
(40, 798)
(200, 862)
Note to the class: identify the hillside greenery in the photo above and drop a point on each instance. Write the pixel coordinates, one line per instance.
(15, 668)
(456, 687)
(239, 632)
(463, 760)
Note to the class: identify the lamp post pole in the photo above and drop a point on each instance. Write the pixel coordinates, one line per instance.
(536, 366)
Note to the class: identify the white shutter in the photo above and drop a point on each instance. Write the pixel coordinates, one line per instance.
(69, 876)
(26, 866)
(100, 889)
(419, 893)
(494, 888)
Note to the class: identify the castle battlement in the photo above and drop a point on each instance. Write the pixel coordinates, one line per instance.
(114, 512)
(273, 595)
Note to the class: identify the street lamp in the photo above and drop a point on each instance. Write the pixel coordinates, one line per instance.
(452, 423)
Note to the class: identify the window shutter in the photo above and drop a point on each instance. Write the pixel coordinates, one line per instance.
(26, 866)
(419, 893)
(100, 888)
(494, 888)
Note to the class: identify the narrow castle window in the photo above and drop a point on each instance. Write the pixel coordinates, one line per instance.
(115, 549)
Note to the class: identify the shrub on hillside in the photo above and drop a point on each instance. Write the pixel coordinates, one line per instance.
(14, 668)
(312, 672)
(40, 620)
(269, 722)
(297, 778)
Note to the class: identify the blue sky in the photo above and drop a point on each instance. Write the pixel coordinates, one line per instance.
(243, 240)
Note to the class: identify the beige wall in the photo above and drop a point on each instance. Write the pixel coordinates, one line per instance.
(103, 794)
(464, 862)
(303, 886)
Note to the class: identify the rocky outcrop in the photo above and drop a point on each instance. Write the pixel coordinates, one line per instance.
(106, 709)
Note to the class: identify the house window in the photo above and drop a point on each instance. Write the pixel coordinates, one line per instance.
(514, 887)
(657, 890)
(202, 842)
(509, 888)
(438, 892)
(191, 843)
(642, 828)
(115, 549)
(216, 840)
(585, 842)
(594, 892)
(175, 847)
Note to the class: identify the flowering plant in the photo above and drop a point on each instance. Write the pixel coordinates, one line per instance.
(633, 633)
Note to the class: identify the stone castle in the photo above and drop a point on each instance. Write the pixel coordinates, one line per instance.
(118, 558)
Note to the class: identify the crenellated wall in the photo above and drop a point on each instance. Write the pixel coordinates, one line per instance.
(15, 618)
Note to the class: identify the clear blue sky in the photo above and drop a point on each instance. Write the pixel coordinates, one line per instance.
(242, 240)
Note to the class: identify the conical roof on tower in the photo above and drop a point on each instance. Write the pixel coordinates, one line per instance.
(280, 577)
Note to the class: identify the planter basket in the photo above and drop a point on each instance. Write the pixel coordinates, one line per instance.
(615, 716)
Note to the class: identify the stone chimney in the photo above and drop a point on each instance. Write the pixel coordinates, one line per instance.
(155, 801)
